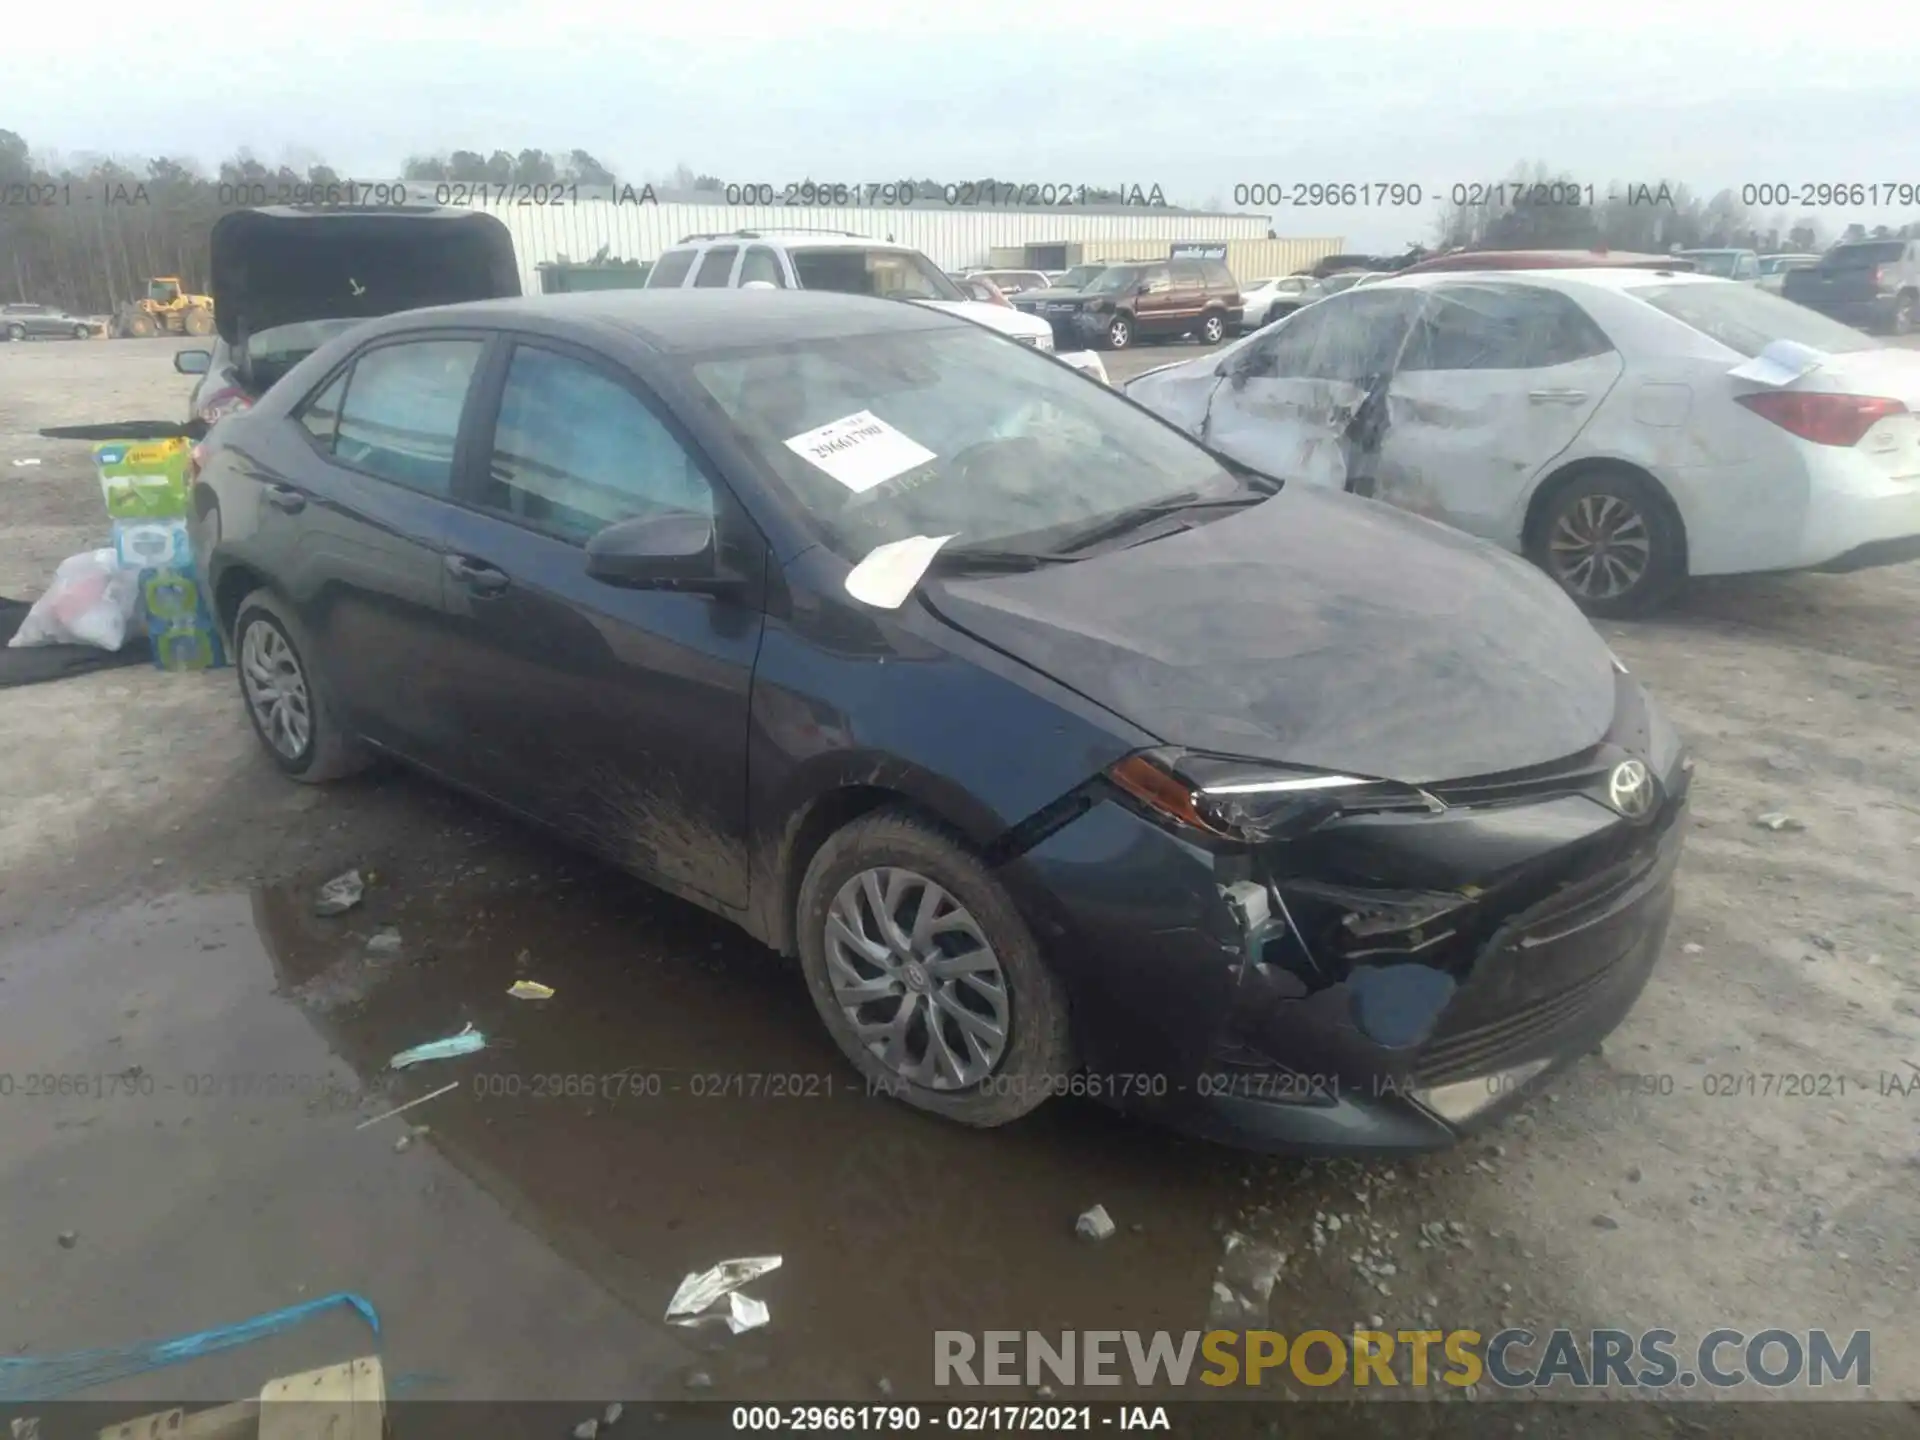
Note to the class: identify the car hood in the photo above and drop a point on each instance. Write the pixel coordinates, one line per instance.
(1317, 630)
(994, 317)
(1055, 297)
(280, 265)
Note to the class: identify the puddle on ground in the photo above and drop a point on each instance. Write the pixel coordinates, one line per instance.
(675, 1103)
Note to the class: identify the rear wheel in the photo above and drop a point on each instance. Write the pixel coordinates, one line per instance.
(1611, 539)
(1120, 332)
(285, 699)
(16, 332)
(1213, 329)
(1904, 313)
(82, 332)
(199, 322)
(926, 975)
(139, 325)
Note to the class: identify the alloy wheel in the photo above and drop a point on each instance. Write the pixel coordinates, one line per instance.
(1601, 547)
(1903, 316)
(1118, 334)
(276, 690)
(917, 979)
(1213, 329)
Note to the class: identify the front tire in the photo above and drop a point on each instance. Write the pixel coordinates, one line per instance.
(1904, 316)
(1612, 541)
(285, 699)
(927, 976)
(83, 332)
(1213, 329)
(1119, 332)
(16, 332)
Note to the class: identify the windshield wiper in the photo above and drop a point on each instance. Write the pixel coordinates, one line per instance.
(1132, 519)
(983, 561)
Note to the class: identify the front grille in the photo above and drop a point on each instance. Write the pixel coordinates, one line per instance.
(1570, 775)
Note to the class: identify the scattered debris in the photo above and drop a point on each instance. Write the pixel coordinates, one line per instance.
(22, 465)
(699, 1380)
(1633, 1174)
(1244, 1282)
(384, 942)
(1095, 1224)
(530, 990)
(1605, 1222)
(403, 1142)
(693, 1302)
(340, 894)
(586, 1430)
(389, 1114)
(1692, 949)
(464, 1043)
(68, 1239)
(26, 1427)
(613, 1413)
(1825, 942)
(1777, 820)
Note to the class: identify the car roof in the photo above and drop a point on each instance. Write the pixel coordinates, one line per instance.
(1618, 278)
(677, 321)
(1716, 250)
(773, 235)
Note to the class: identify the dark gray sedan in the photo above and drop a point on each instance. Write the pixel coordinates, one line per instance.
(35, 322)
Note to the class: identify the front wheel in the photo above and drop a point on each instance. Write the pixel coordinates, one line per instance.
(926, 975)
(1119, 333)
(16, 332)
(82, 332)
(285, 699)
(1213, 330)
(1613, 542)
(1904, 313)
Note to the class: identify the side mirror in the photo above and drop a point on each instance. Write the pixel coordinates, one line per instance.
(193, 362)
(668, 551)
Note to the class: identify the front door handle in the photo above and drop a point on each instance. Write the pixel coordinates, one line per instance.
(285, 497)
(478, 576)
(1557, 397)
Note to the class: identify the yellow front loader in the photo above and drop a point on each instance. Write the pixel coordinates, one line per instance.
(165, 310)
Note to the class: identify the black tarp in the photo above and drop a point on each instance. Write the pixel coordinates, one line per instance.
(33, 663)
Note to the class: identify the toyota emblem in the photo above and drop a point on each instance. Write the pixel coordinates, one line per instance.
(1631, 790)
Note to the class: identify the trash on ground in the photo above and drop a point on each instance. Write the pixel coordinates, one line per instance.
(340, 894)
(92, 601)
(613, 1414)
(530, 990)
(586, 1429)
(1777, 820)
(68, 1239)
(464, 1043)
(26, 1379)
(384, 941)
(1244, 1281)
(699, 1380)
(1096, 1224)
(26, 1427)
(403, 1142)
(693, 1302)
(23, 464)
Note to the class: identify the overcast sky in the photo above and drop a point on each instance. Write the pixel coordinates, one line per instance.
(1193, 96)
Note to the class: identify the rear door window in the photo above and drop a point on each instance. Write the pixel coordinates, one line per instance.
(716, 266)
(402, 411)
(762, 264)
(1501, 327)
(1859, 256)
(1217, 276)
(672, 270)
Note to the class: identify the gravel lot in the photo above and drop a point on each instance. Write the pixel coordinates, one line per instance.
(154, 885)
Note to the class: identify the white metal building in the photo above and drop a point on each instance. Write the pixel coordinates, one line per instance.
(953, 237)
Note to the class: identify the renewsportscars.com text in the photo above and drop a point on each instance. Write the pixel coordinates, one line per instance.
(1513, 1359)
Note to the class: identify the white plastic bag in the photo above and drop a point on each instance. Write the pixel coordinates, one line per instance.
(90, 602)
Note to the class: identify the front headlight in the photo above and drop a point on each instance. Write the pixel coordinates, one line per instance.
(1251, 801)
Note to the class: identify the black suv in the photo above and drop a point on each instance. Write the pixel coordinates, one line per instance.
(1142, 300)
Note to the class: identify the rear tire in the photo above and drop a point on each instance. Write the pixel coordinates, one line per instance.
(1904, 316)
(272, 655)
(16, 332)
(83, 332)
(1611, 539)
(1213, 329)
(199, 322)
(972, 968)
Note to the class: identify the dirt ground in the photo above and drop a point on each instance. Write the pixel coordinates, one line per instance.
(155, 912)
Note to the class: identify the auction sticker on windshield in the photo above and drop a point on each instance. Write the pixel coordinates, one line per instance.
(860, 450)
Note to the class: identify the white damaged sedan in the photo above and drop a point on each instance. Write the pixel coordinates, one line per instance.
(1625, 429)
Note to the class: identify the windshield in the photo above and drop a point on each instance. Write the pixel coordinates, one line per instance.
(890, 274)
(1852, 257)
(1712, 262)
(1118, 277)
(1747, 320)
(962, 434)
(1079, 277)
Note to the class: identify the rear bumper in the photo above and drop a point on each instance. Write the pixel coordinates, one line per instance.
(1191, 1017)
(1868, 314)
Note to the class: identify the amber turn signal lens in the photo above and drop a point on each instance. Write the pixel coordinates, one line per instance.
(1155, 788)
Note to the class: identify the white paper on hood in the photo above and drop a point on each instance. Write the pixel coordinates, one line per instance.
(860, 450)
(889, 573)
(1780, 364)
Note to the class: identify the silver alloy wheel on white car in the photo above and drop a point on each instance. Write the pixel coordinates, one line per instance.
(1601, 547)
(276, 690)
(917, 978)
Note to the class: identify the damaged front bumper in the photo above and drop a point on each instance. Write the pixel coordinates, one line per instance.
(1285, 998)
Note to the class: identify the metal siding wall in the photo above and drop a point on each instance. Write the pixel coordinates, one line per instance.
(951, 238)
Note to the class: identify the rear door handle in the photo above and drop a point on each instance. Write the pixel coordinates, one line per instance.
(1557, 397)
(478, 576)
(285, 497)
